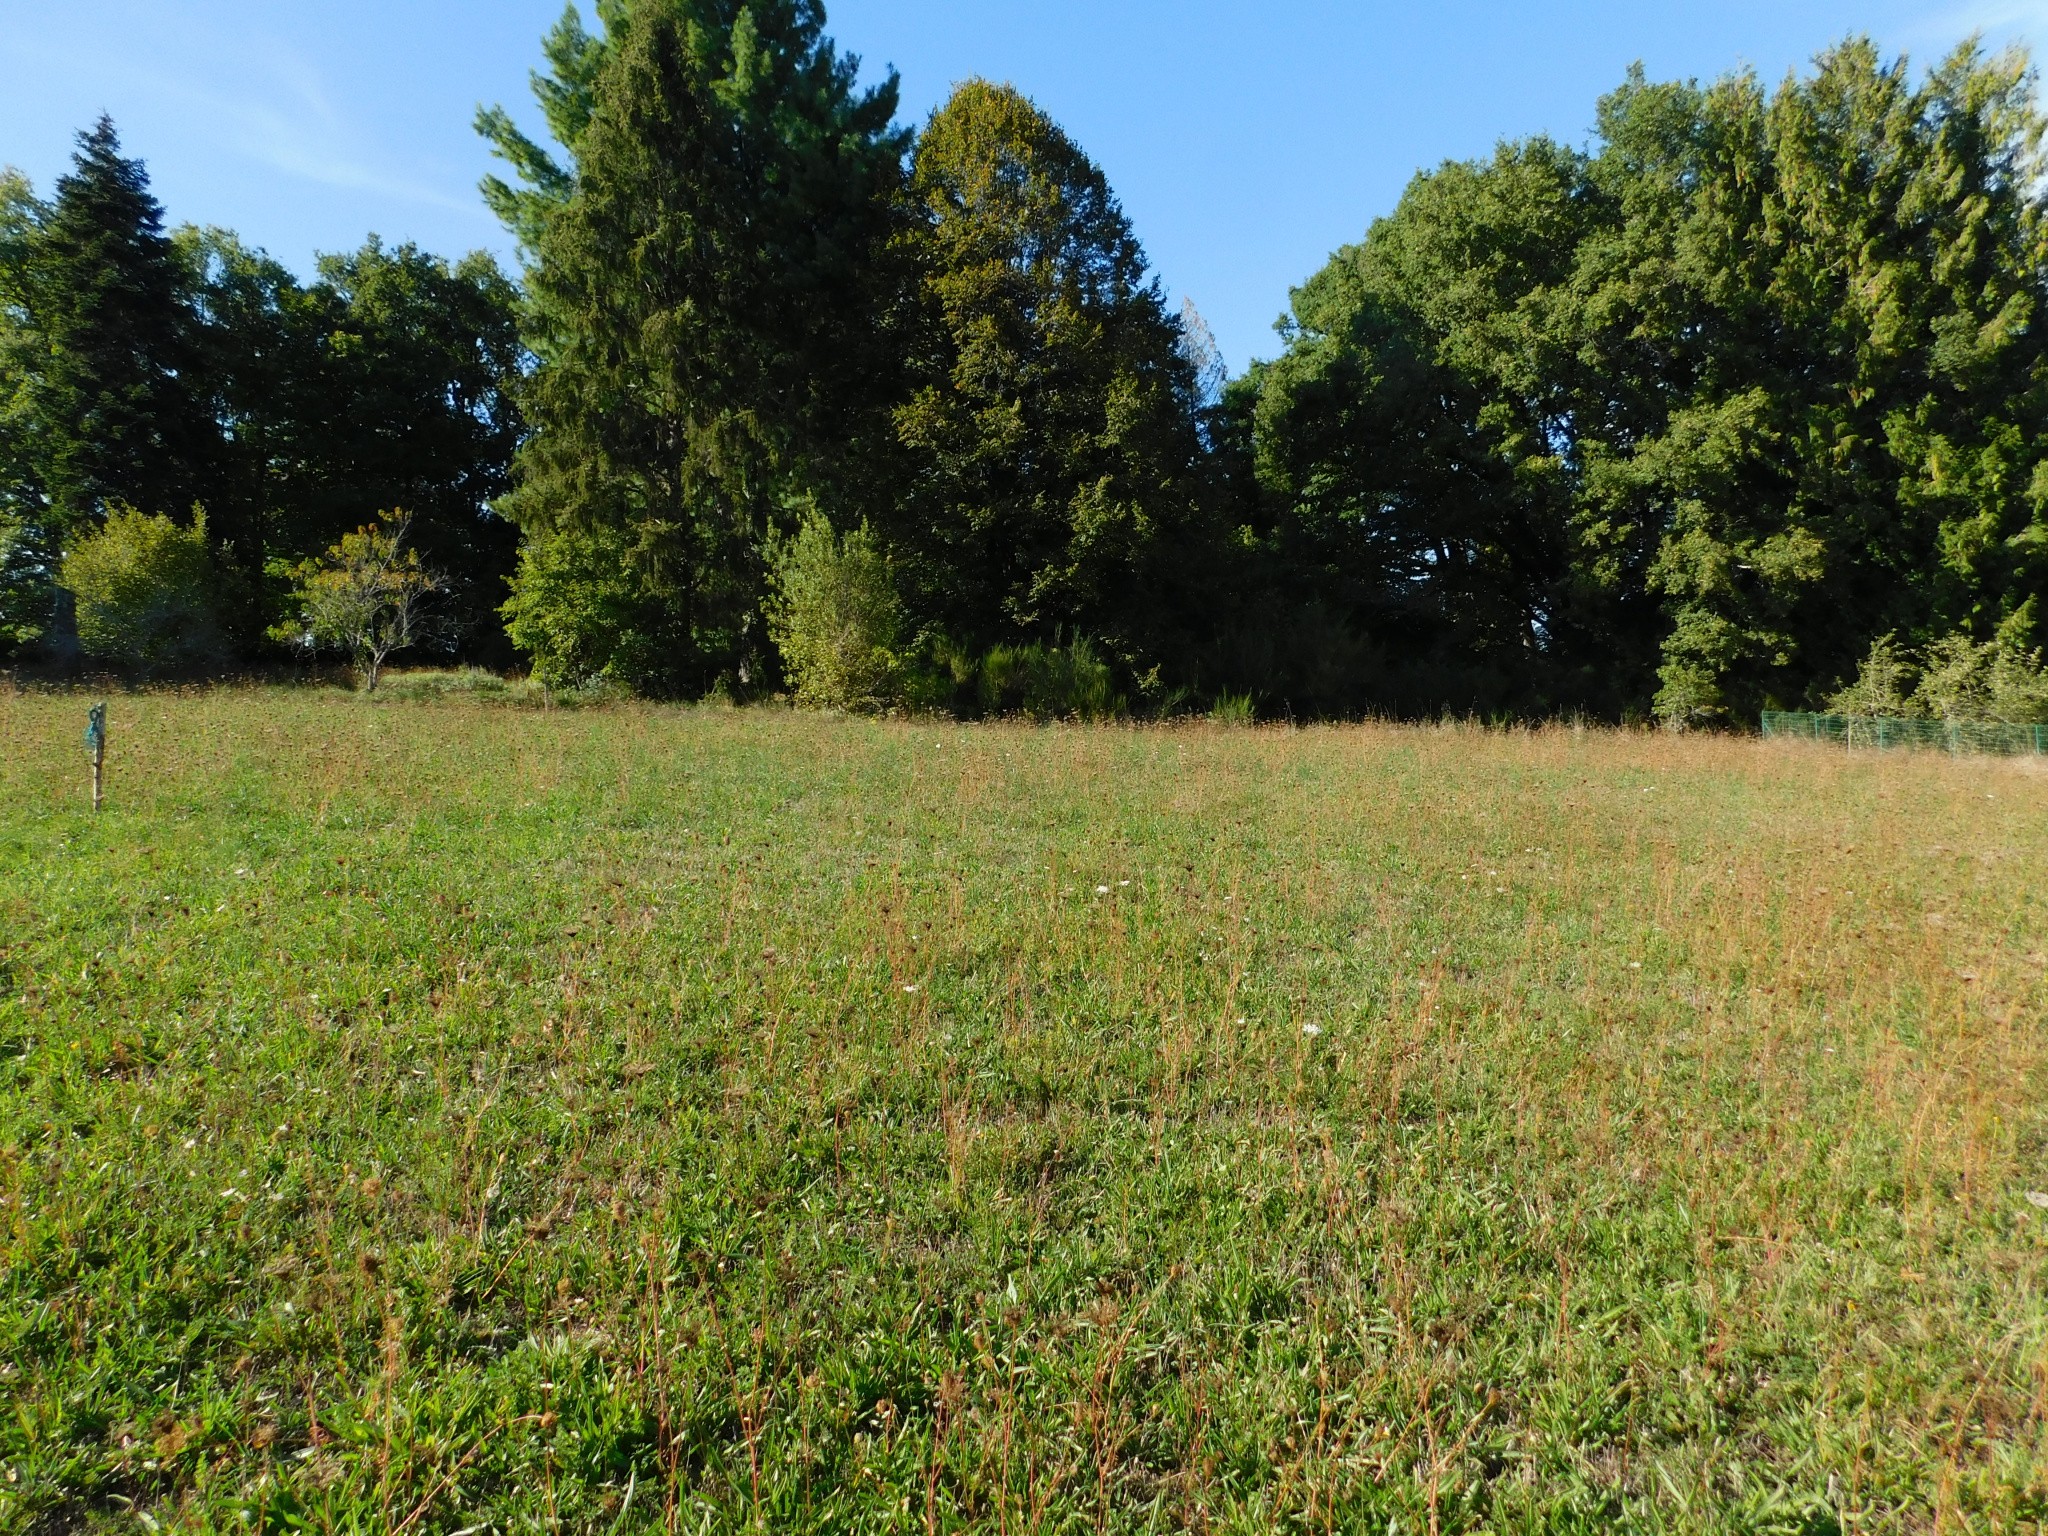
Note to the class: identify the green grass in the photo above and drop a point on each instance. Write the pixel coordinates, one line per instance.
(433, 1116)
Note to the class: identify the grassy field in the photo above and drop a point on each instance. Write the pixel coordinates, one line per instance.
(441, 1117)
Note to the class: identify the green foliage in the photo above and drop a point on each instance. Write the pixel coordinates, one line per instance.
(584, 614)
(1695, 416)
(367, 597)
(421, 358)
(21, 216)
(709, 353)
(1234, 709)
(1964, 682)
(145, 591)
(1049, 682)
(106, 387)
(385, 382)
(567, 95)
(28, 592)
(1956, 680)
(835, 617)
(189, 369)
(1408, 493)
(1883, 686)
(1050, 417)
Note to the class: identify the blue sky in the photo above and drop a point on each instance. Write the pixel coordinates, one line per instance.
(1248, 138)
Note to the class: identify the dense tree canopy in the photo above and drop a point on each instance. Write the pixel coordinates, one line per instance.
(1698, 419)
(708, 291)
(177, 372)
(1691, 418)
(1049, 416)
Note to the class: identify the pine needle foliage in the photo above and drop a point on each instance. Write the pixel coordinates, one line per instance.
(109, 389)
(705, 285)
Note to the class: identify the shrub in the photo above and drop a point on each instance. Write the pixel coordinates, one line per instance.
(145, 591)
(1690, 697)
(367, 596)
(1955, 680)
(1883, 685)
(486, 687)
(1997, 681)
(1961, 681)
(837, 620)
(941, 676)
(1058, 682)
(2019, 687)
(1233, 709)
(585, 619)
(464, 682)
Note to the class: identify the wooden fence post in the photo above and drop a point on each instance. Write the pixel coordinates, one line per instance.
(96, 749)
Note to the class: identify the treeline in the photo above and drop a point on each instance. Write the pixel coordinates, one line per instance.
(1689, 421)
(181, 373)
(792, 398)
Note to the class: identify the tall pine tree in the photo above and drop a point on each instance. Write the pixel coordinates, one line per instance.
(567, 95)
(110, 389)
(708, 293)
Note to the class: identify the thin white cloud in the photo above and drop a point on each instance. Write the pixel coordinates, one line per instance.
(278, 114)
(1997, 21)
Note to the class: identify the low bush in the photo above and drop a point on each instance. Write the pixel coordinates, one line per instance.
(463, 682)
(146, 592)
(1233, 709)
(1883, 687)
(586, 619)
(488, 687)
(1049, 682)
(836, 619)
(1956, 680)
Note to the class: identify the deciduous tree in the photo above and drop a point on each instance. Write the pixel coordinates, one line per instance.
(368, 597)
(1050, 419)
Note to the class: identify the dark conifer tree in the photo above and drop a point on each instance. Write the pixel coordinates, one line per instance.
(708, 361)
(110, 393)
(1050, 417)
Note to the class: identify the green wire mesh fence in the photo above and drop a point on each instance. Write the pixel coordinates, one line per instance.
(1874, 731)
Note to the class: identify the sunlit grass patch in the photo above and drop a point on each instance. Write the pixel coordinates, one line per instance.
(449, 1116)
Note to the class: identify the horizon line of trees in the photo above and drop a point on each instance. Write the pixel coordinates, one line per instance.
(1717, 414)
(182, 374)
